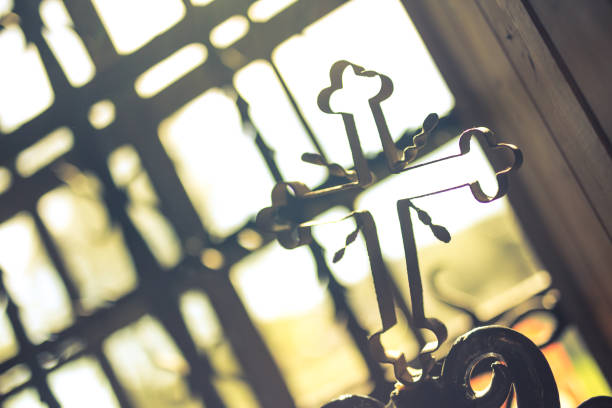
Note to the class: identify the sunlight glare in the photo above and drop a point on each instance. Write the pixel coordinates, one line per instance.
(133, 23)
(26, 90)
(171, 69)
(43, 152)
(229, 31)
(263, 10)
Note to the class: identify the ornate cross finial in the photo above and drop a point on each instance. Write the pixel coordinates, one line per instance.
(291, 233)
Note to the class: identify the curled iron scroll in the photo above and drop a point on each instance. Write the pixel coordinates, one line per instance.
(516, 362)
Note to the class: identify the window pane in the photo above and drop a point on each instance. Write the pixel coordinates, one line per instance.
(65, 43)
(277, 122)
(218, 163)
(26, 90)
(28, 398)
(92, 247)
(82, 383)
(153, 18)
(129, 175)
(31, 279)
(296, 318)
(8, 343)
(150, 366)
(485, 237)
(206, 332)
(44, 151)
(390, 45)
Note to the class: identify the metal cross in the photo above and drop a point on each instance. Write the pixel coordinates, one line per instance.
(291, 233)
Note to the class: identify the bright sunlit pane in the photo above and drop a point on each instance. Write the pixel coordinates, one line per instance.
(224, 174)
(149, 365)
(128, 173)
(14, 377)
(295, 316)
(91, 246)
(133, 23)
(8, 343)
(5, 179)
(489, 227)
(201, 319)
(275, 282)
(5, 6)
(53, 13)
(65, 43)
(229, 31)
(101, 114)
(28, 398)
(201, 2)
(43, 152)
(378, 35)
(381, 199)
(31, 280)
(157, 233)
(277, 122)
(353, 271)
(82, 383)
(168, 71)
(236, 393)
(354, 266)
(26, 90)
(263, 10)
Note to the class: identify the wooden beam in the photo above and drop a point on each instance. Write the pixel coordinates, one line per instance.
(504, 77)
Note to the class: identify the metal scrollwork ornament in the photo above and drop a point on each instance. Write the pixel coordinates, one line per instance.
(518, 366)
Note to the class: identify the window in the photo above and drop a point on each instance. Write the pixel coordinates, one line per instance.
(134, 159)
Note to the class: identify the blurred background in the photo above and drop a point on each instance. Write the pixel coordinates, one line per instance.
(138, 139)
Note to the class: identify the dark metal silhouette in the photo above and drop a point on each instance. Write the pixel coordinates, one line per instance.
(516, 362)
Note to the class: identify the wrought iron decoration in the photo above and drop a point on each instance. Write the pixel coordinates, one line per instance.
(514, 359)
